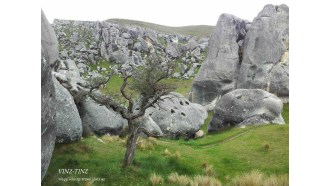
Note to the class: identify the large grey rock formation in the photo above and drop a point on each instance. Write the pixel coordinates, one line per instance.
(265, 62)
(218, 73)
(68, 122)
(49, 55)
(246, 55)
(99, 119)
(176, 116)
(246, 107)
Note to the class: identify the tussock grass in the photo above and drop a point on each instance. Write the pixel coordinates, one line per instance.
(208, 170)
(146, 143)
(256, 178)
(253, 178)
(89, 183)
(167, 152)
(156, 179)
(181, 180)
(205, 181)
(175, 156)
(114, 139)
(273, 180)
(199, 180)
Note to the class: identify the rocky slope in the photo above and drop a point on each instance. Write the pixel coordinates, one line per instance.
(125, 46)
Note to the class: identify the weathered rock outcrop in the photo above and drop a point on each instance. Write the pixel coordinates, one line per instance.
(245, 107)
(68, 122)
(246, 55)
(218, 73)
(69, 77)
(176, 116)
(172, 50)
(265, 62)
(99, 119)
(88, 42)
(48, 111)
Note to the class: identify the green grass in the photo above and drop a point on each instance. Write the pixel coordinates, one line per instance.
(195, 30)
(231, 152)
(182, 86)
(113, 86)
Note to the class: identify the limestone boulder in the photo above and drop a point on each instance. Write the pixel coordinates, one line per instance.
(219, 71)
(99, 119)
(173, 50)
(49, 54)
(176, 116)
(68, 122)
(191, 45)
(150, 126)
(119, 57)
(265, 63)
(242, 107)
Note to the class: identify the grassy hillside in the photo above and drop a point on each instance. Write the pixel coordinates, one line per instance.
(231, 153)
(196, 30)
(223, 155)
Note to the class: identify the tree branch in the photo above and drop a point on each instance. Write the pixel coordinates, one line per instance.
(109, 103)
(122, 90)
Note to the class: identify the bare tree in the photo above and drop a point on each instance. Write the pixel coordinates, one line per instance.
(148, 86)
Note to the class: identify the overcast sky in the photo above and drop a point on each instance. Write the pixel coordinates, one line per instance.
(164, 12)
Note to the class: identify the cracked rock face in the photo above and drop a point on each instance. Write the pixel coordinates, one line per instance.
(176, 116)
(49, 55)
(218, 73)
(246, 107)
(265, 63)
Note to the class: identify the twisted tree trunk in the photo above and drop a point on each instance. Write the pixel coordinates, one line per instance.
(131, 144)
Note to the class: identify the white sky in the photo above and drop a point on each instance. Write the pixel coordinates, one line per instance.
(164, 12)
